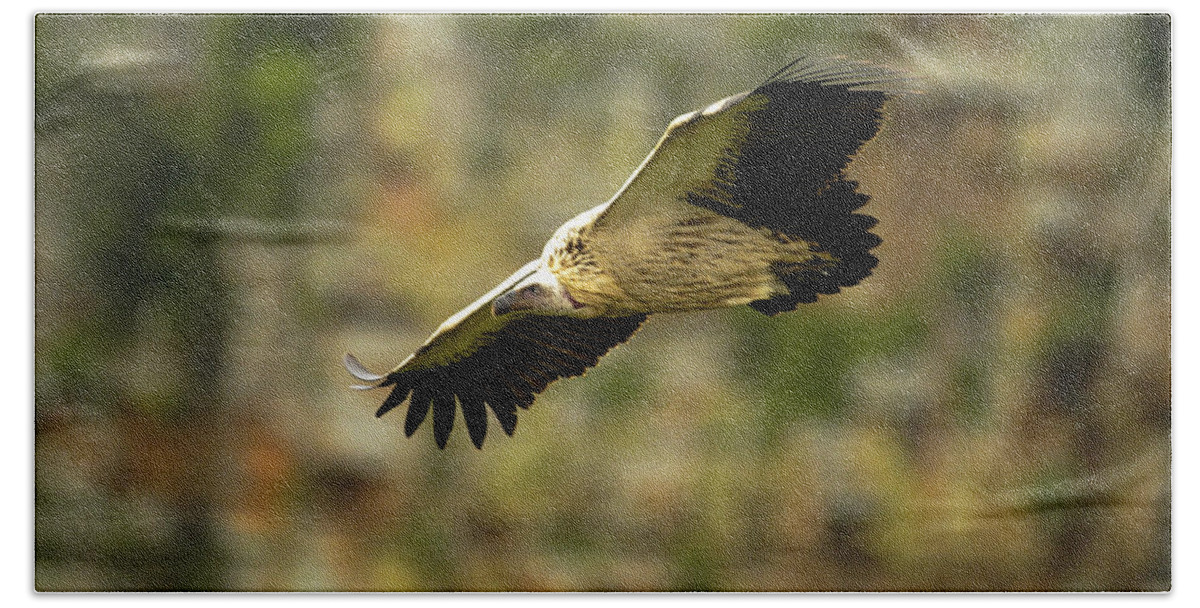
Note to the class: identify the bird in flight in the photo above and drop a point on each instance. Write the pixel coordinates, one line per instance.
(743, 202)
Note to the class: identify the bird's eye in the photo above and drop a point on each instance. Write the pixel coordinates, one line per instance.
(534, 290)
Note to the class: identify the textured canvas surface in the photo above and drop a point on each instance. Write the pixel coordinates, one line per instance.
(226, 205)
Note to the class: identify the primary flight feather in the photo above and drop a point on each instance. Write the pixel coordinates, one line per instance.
(744, 202)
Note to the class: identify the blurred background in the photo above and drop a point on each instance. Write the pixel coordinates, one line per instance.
(227, 204)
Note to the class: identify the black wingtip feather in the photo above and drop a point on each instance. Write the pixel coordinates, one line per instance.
(443, 418)
(781, 71)
(396, 397)
(506, 415)
(418, 408)
(788, 174)
(524, 358)
(839, 71)
(475, 416)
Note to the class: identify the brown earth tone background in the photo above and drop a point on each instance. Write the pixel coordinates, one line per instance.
(227, 204)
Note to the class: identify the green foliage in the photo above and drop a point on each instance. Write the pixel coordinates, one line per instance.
(804, 363)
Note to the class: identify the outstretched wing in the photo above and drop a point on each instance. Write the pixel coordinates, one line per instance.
(774, 158)
(477, 360)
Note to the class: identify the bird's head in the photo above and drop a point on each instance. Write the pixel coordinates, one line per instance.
(539, 293)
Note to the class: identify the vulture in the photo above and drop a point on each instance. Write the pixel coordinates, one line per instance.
(743, 202)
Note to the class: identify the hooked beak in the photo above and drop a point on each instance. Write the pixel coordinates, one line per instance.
(503, 304)
(513, 301)
(540, 292)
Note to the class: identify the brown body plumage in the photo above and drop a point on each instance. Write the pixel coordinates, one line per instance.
(684, 259)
